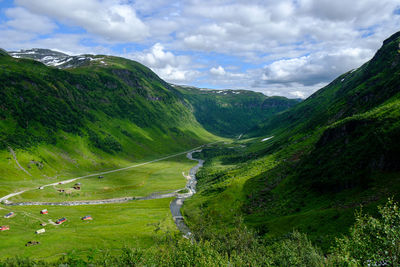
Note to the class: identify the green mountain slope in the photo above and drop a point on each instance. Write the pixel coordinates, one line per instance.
(106, 113)
(354, 92)
(324, 158)
(232, 112)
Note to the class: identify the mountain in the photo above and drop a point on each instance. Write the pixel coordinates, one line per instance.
(232, 112)
(56, 59)
(39, 101)
(358, 108)
(310, 167)
(104, 114)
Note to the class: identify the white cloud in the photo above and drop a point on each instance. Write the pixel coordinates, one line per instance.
(23, 20)
(291, 90)
(298, 94)
(220, 71)
(315, 68)
(115, 21)
(303, 44)
(167, 65)
(10, 38)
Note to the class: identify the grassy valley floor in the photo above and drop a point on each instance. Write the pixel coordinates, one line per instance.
(133, 224)
(136, 224)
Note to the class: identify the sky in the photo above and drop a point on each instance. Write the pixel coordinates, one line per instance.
(283, 47)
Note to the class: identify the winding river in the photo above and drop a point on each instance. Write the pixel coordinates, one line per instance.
(177, 203)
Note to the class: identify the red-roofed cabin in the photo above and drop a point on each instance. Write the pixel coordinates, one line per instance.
(44, 212)
(61, 221)
(87, 218)
(4, 228)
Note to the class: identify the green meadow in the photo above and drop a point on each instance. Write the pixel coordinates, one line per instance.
(114, 226)
(158, 177)
(133, 224)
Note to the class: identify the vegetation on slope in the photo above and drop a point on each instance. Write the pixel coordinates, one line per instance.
(354, 92)
(106, 114)
(37, 101)
(232, 112)
(328, 155)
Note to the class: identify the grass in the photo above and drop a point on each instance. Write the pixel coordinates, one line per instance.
(133, 224)
(162, 176)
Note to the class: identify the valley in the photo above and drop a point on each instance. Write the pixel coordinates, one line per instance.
(186, 176)
(146, 215)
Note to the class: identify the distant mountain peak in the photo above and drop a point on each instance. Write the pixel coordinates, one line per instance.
(54, 58)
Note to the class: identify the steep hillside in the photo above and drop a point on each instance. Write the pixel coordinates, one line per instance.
(310, 167)
(104, 114)
(352, 93)
(232, 112)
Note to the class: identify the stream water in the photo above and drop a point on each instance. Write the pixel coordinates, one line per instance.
(177, 203)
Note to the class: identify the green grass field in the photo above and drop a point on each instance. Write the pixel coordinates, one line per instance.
(158, 177)
(114, 226)
(133, 224)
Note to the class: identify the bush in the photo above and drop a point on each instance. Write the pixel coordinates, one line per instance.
(373, 241)
(296, 250)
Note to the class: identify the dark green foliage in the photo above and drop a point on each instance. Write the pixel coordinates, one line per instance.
(107, 143)
(360, 147)
(232, 112)
(373, 241)
(36, 102)
(354, 123)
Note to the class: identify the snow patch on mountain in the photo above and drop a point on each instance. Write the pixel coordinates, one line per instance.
(56, 59)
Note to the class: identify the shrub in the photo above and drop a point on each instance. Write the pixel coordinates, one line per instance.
(373, 241)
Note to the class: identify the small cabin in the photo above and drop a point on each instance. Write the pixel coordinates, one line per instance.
(78, 184)
(9, 215)
(61, 221)
(4, 228)
(101, 177)
(43, 224)
(40, 231)
(87, 218)
(41, 187)
(45, 211)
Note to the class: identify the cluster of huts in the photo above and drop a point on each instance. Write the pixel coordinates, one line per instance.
(60, 221)
(42, 230)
